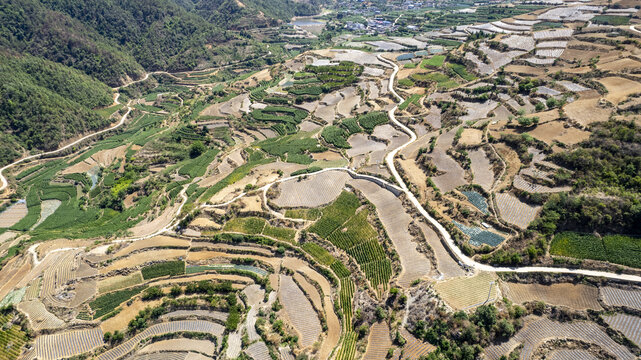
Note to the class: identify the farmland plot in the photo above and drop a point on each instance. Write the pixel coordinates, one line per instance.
(159, 329)
(621, 297)
(39, 317)
(202, 346)
(316, 190)
(13, 214)
(586, 110)
(299, 311)
(514, 211)
(468, 292)
(209, 314)
(414, 348)
(619, 88)
(543, 329)
(519, 42)
(574, 354)
(629, 325)
(575, 296)
(234, 345)
(477, 200)
(522, 184)
(553, 34)
(258, 351)
(396, 222)
(361, 144)
(479, 236)
(378, 342)
(67, 344)
(481, 169)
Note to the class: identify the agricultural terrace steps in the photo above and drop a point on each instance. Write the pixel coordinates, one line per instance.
(389, 159)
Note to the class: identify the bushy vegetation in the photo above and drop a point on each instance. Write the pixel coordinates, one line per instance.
(605, 163)
(331, 77)
(292, 148)
(372, 119)
(435, 61)
(336, 136)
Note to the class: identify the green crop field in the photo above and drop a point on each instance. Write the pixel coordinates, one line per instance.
(198, 166)
(12, 338)
(371, 120)
(461, 71)
(356, 236)
(319, 253)
(611, 20)
(618, 249)
(335, 214)
(292, 148)
(163, 269)
(336, 136)
(248, 225)
(307, 214)
(107, 303)
(435, 61)
(410, 100)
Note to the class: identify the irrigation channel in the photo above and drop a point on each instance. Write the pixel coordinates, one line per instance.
(463, 259)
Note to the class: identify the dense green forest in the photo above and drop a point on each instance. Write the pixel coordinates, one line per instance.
(43, 103)
(116, 40)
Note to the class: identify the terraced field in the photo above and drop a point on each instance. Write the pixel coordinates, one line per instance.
(159, 329)
(67, 344)
(541, 329)
(378, 342)
(514, 211)
(575, 296)
(299, 311)
(629, 325)
(469, 292)
(621, 297)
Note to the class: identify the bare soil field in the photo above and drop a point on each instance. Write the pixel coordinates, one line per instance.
(378, 342)
(120, 321)
(396, 222)
(103, 158)
(619, 88)
(258, 351)
(575, 296)
(149, 226)
(525, 70)
(361, 145)
(13, 214)
(316, 190)
(446, 265)
(310, 291)
(514, 211)
(625, 64)
(586, 110)
(538, 330)
(142, 258)
(556, 131)
(201, 346)
(468, 292)
(153, 242)
(471, 137)
(481, 169)
(350, 100)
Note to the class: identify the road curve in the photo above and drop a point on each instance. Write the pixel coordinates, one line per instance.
(464, 259)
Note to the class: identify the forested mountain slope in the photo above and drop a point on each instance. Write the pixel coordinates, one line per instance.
(110, 42)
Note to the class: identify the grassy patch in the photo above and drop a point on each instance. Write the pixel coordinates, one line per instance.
(163, 269)
(247, 225)
(198, 166)
(611, 20)
(319, 253)
(435, 61)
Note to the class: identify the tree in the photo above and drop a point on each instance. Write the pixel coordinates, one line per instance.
(196, 149)
(505, 328)
(380, 313)
(485, 316)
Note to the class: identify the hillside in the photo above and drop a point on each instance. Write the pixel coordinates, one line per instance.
(43, 103)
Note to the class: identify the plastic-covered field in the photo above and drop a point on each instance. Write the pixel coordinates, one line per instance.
(621, 297)
(629, 325)
(479, 236)
(67, 344)
(514, 211)
(477, 200)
